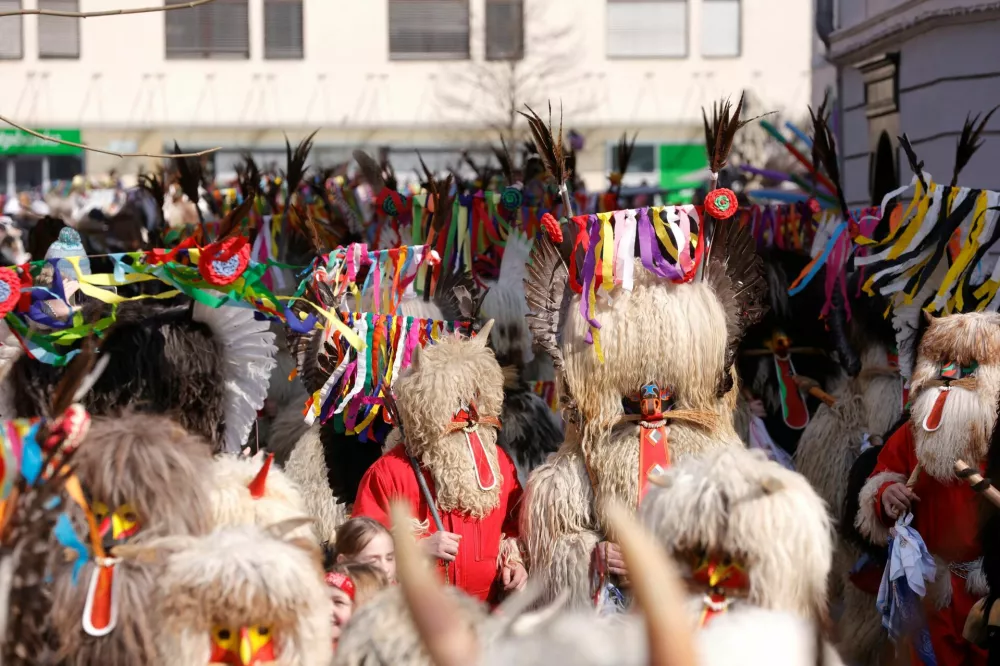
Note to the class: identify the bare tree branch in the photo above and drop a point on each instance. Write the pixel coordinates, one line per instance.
(73, 144)
(107, 12)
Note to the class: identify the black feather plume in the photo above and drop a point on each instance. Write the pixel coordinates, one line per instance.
(296, 161)
(370, 169)
(825, 152)
(969, 142)
(503, 159)
(916, 166)
(548, 143)
(721, 132)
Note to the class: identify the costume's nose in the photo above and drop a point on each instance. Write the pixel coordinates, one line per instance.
(118, 527)
(715, 574)
(104, 526)
(246, 648)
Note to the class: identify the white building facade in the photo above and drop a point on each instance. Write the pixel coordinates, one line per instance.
(915, 67)
(431, 75)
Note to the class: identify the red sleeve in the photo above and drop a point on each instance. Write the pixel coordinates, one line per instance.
(897, 457)
(373, 496)
(512, 520)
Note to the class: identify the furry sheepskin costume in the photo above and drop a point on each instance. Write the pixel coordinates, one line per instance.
(244, 589)
(680, 337)
(449, 401)
(207, 367)
(954, 392)
(146, 477)
(756, 526)
(382, 632)
(254, 492)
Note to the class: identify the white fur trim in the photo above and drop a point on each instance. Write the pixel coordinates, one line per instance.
(248, 348)
(976, 583)
(867, 520)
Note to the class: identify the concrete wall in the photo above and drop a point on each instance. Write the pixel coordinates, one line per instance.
(122, 87)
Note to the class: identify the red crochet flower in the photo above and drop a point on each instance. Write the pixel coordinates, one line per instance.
(10, 290)
(814, 206)
(223, 263)
(721, 203)
(552, 228)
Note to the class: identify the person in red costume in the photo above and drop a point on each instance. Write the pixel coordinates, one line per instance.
(449, 402)
(954, 389)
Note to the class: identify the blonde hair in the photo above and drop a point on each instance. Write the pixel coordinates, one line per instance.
(354, 536)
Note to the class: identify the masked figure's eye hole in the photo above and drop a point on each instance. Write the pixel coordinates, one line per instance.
(131, 516)
(223, 634)
(263, 631)
(100, 510)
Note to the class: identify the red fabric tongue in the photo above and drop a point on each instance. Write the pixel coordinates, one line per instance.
(793, 405)
(100, 610)
(487, 479)
(933, 420)
(654, 452)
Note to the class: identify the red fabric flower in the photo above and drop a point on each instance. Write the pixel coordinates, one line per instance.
(552, 228)
(10, 290)
(223, 262)
(814, 206)
(721, 203)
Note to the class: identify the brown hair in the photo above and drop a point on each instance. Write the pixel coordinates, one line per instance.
(368, 581)
(354, 535)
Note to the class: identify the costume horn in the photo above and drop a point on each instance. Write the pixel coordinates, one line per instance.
(657, 589)
(260, 481)
(484, 332)
(436, 617)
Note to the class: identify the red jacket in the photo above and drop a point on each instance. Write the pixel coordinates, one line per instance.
(947, 515)
(475, 567)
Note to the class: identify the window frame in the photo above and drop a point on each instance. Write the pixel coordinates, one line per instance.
(611, 153)
(42, 19)
(206, 53)
(20, 28)
(487, 32)
(302, 31)
(739, 32)
(426, 56)
(687, 30)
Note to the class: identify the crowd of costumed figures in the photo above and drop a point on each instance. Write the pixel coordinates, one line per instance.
(313, 419)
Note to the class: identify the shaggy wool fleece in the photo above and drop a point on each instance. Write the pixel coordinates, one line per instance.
(233, 505)
(381, 633)
(163, 472)
(758, 636)
(442, 379)
(559, 527)
(969, 413)
(241, 577)
(861, 637)
(737, 503)
(673, 335)
(306, 468)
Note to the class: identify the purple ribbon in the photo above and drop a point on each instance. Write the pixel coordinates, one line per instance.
(589, 275)
(656, 263)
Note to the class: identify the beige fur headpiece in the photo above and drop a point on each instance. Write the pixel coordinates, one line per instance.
(737, 505)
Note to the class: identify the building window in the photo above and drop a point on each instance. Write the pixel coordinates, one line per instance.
(721, 29)
(647, 28)
(11, 31)
(429, 29)
(283, 30)
(59, 36)
(643, 158)
(217, 30)
(504, 29)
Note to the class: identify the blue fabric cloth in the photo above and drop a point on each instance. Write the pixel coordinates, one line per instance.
(904, 583)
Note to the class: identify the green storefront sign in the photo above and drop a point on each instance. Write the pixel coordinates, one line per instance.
(677, 162)
(16, 142)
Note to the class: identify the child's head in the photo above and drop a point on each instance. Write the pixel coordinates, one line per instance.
(366, 541)
(342, 592)
(368, 580)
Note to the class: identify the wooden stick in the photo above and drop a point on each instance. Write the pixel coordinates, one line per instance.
(73, 144)
(107, 12)
(823, 395)
(974, 478)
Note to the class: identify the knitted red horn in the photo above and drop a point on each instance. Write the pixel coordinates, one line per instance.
(257, 485)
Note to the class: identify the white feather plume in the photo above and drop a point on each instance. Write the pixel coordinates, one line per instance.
(248, 347)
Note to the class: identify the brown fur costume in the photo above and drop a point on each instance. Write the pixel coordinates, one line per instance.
(737, 505)
(242, 577)
(680, 336)
(154, 465)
